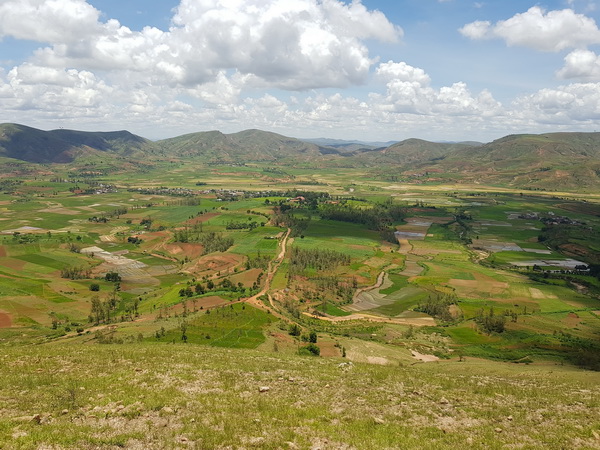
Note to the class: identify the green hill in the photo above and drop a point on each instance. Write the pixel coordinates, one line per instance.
(410, 152)
(242, 147)
(60, 146)
(555, 160)
(569, 161)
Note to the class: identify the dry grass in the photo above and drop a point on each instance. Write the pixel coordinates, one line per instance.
(180, 396)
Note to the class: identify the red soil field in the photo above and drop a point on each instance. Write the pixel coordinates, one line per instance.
(5, 320)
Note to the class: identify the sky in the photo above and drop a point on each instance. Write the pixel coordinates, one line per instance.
(371, 70)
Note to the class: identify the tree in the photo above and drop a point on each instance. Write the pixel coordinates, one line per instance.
(97, 310)
(294, 330)
(113, 276)
(183, 328)
(313, 349)
(94, 287)
(312, 337)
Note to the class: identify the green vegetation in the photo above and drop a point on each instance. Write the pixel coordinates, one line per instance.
(235, 326)
(321, 270)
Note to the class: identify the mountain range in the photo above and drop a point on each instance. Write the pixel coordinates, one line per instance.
(556, 160)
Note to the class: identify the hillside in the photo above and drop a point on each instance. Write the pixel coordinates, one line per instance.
(555, 160)
(410, 152)
(568, 161)
(60, 146)
(242, 147)
(155, 396)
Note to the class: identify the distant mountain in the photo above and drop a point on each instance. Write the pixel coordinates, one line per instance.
(552, 160)
(410, 152)
(60, 146)
(545, 161)
(245, 146)
(349, 145)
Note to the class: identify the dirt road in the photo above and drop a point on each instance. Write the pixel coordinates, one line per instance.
(271, 271)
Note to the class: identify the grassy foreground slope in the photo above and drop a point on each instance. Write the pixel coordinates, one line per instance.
(164, 396)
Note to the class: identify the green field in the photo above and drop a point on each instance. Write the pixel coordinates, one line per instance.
(461, 258)
(235, 326)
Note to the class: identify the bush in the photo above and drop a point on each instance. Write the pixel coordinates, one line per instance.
(112, 276)
(310, 349)
(94, 287)
(294, 330)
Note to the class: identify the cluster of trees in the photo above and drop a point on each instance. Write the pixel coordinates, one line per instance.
(106, 216)
(25, 238)
(319, 259)
(490, 322)
(212, 241)
(297, 224)
(343, 289)
(101, 311)
(378, 218)
(259, 261)
(438, 305)
(224, 285)
(113, 276)
(215, 242)
(241, 225)
(75, 272)
(188, 234)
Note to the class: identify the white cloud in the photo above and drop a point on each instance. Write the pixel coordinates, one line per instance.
(578, 102)
(581, 64)
(402, 72)
(56, 21)
(409, 91)
(549, 32)
(64, 92)
(291, 45)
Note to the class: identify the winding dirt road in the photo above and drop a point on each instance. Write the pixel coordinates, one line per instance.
(271, 271)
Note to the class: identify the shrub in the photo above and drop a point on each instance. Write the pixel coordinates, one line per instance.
(294, 330)
(310, 349)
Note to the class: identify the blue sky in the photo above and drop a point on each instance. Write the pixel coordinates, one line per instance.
(370, 69)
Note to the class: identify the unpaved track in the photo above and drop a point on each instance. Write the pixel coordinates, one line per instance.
(416, 321)
(271, 271)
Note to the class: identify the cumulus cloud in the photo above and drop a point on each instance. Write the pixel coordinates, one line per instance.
(577, 102)
(581, 64)
(291, 45)
(409, 91)
(544, 31)
(55, 21)
(64, 92)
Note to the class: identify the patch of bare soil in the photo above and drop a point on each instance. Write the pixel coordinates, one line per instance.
(572, 320)
(65, 211)
(15, 264)
(328, 349)
(200, 219)
(215, 262)
(2, 252)
(575, 250)
(378, 360)
(246, 278)
(5, 320)
(192, 251)
(156, 235)
(493, 287)
(424, 358)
